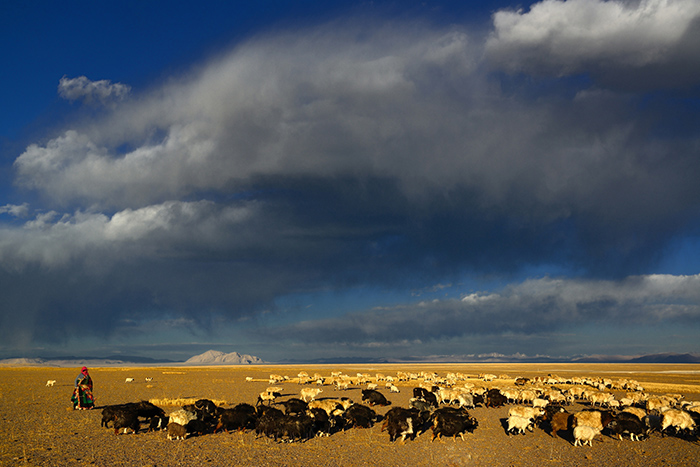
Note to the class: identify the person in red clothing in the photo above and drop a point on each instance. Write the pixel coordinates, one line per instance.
(82, 394)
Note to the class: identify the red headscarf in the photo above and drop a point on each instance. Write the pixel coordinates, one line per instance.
(84, 370)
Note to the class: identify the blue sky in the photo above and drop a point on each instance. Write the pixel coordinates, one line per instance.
(353, 179)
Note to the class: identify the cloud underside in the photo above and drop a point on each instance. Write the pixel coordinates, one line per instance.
(347, 155)
(531, 308)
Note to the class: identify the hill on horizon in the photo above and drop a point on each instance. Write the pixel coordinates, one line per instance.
(216, 357)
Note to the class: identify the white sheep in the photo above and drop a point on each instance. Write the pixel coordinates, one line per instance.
(592, 418)
(525, 412)
(584, 434)
(248, 379)
(393, 388)
(600, 398)
(519, 423)
(129, 380)
(182, 417)
(540, 403)
(466, 400)
(310, 393)
(626, 402)
(640, 413)
(511, 394)
(678, 419)
(267, 397)
(342, 384)
(559, 398)
(328, 405)
(655, 403)
(50, 383)
(527, 395)
(446, 396)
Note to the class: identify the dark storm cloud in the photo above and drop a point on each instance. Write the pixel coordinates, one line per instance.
(532, 308)
(343, 156)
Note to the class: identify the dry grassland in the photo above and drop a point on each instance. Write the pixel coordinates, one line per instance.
(38, 426)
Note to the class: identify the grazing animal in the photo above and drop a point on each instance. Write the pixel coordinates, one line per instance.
(294, 427)
(519, 424)
(321, 421)
(584, 434)
(494, 398)
(560, 421)
(403, 422)
(447, 421)
(176, 431)
(360, 416)
(678, 420)
(526, 412)
(419, 404)
(50, 383)
(238, 418)
(148, 379)
(267, 421)
(598, 398)
(428, 396)
(142, 409)
(310, 393)
(593, 418)
(328, 405)
(527, 395)
(521, 381)
(206, 410)
(158, 423)
(129, 380)
(542, 403)
(182, 416)
(466, 400)
(197, 427)
(126, 419)
(374, 397)
(294, 406)
(639, 413)
(631, 425)
(266, 396)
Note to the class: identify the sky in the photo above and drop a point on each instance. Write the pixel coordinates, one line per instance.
(351, 179)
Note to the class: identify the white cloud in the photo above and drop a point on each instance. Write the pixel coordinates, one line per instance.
(603, 37)
(54, 240)
(21, 210)
(102, 91)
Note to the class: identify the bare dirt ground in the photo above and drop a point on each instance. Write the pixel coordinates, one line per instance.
(39, 427)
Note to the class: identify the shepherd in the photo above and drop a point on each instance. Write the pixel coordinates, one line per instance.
(82, 394)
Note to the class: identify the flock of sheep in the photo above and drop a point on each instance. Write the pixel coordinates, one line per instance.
(439, 404)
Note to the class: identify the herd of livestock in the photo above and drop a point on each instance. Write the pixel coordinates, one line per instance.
(439, 405)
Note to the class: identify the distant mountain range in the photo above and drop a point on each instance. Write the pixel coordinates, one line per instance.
(517, 358)
(215, 357)
(210, 357)
(67, 361)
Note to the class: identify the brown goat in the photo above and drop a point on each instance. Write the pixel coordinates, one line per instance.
(560, 421)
